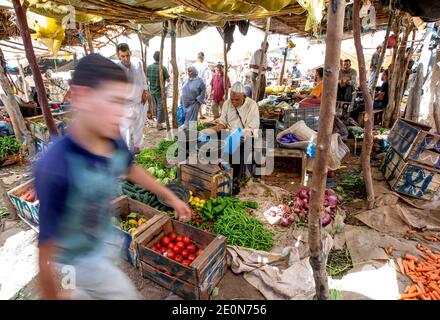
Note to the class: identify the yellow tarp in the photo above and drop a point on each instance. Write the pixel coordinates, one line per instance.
(215, 12)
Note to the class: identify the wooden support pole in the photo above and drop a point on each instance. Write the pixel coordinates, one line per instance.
(25, 86)
(30, 55)
(280, 79)
(225, 77)
(175, 72)
(413, 107)
(335, 23)
(256, 94)
(161, 77)
(89, 39)
(382, 54)
(13, 109)
(368, 117)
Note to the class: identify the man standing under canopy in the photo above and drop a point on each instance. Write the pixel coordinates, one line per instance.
(373, 65)
(153, 72)
(205, 74)
(136, 110)
(193, 96)
(254, 65)
(218, 90)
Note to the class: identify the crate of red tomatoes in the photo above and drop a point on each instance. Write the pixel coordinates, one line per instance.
(188, 261)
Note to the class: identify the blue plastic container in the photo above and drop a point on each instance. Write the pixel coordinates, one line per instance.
(233, 141)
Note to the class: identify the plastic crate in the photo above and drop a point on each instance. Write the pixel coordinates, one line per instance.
(309, 115)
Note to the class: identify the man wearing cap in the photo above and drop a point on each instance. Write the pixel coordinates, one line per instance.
(374, 64)
(241, 112)
(204, 73)
(254, 65)
(218, 90)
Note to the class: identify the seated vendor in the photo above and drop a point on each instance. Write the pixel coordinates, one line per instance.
(242, 112)
(381, 98)
(314, 98)
(347, 81)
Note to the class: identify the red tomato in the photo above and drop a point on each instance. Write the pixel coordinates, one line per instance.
(185, 263)
(199, 252)
(172, 236)
(179, 258)
(185, 254)
(168, 273)
(170, 245)
(180, 245)
(187, 240)
(171, 254)
(163, 250)
(165, 241)
(191, 248)
(179, 239)
(177, 249)
(158, 245)
(191, 257)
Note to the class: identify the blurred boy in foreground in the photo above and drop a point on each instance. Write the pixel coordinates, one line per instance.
(76, 181)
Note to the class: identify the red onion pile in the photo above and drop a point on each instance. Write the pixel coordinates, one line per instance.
(300, 206)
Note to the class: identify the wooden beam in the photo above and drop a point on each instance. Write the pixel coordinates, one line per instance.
(30, 55)
(225, 78)
(335, 24)
(25, 86)
(161, 77)
(255, 94)
(280, 79)
(368, 116)
(175, 72)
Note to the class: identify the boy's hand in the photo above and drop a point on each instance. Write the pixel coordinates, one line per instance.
(181, 211)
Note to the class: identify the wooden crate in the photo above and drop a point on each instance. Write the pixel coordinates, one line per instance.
(124, 206)
(206, 181)
(40, 131)
(11, 159)
(194, 282)
(410, 178)
(27, 211)
(412, 141)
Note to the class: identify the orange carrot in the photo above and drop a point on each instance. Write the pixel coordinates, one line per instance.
(429, 238)
(425, 297)
(406, 289)
(432, 296)
(411, 231)
(400, 264)
(405, 266)
(433, 286)
(436, 295)
(410, 295)
(421, 286)
(411, 257)
(412, 289)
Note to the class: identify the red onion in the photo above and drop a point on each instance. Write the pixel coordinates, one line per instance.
(297, 203)
(332, 200)
(302, 194)
(297, 210)
(285, 222)
(329, 192)
(326, 220)
(291, 219)
(305, 204)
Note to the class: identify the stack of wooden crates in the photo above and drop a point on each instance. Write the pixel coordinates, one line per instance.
(412, 163)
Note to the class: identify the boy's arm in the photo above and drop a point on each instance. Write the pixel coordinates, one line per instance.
(47, 274)
(143, 178)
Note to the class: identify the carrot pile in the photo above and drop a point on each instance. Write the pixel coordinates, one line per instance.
(425, 274)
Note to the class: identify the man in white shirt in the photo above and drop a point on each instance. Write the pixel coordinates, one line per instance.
(205, 73)
(132, 130)
(254, 65)
(241, 112)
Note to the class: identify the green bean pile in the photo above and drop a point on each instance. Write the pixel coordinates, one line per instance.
(243, 230)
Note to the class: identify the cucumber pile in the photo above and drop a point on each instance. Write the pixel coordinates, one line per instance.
(138, 193)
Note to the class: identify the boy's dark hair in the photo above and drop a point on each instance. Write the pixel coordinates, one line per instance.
(122, 47)
(347, 60)
(385, 72)
(156, 56)
(320, 71)
(94, 69)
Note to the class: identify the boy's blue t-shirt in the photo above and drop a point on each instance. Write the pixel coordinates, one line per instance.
(75, 188)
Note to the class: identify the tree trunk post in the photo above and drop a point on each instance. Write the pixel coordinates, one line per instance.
(225, 78)
(413, 107)
(30, 55)
(368, 117)
(13, 109)
(175, 73)
(335, 23)
(89, 39)
(260, 67)
(161, 77)
(280, 79)
(382, 55)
